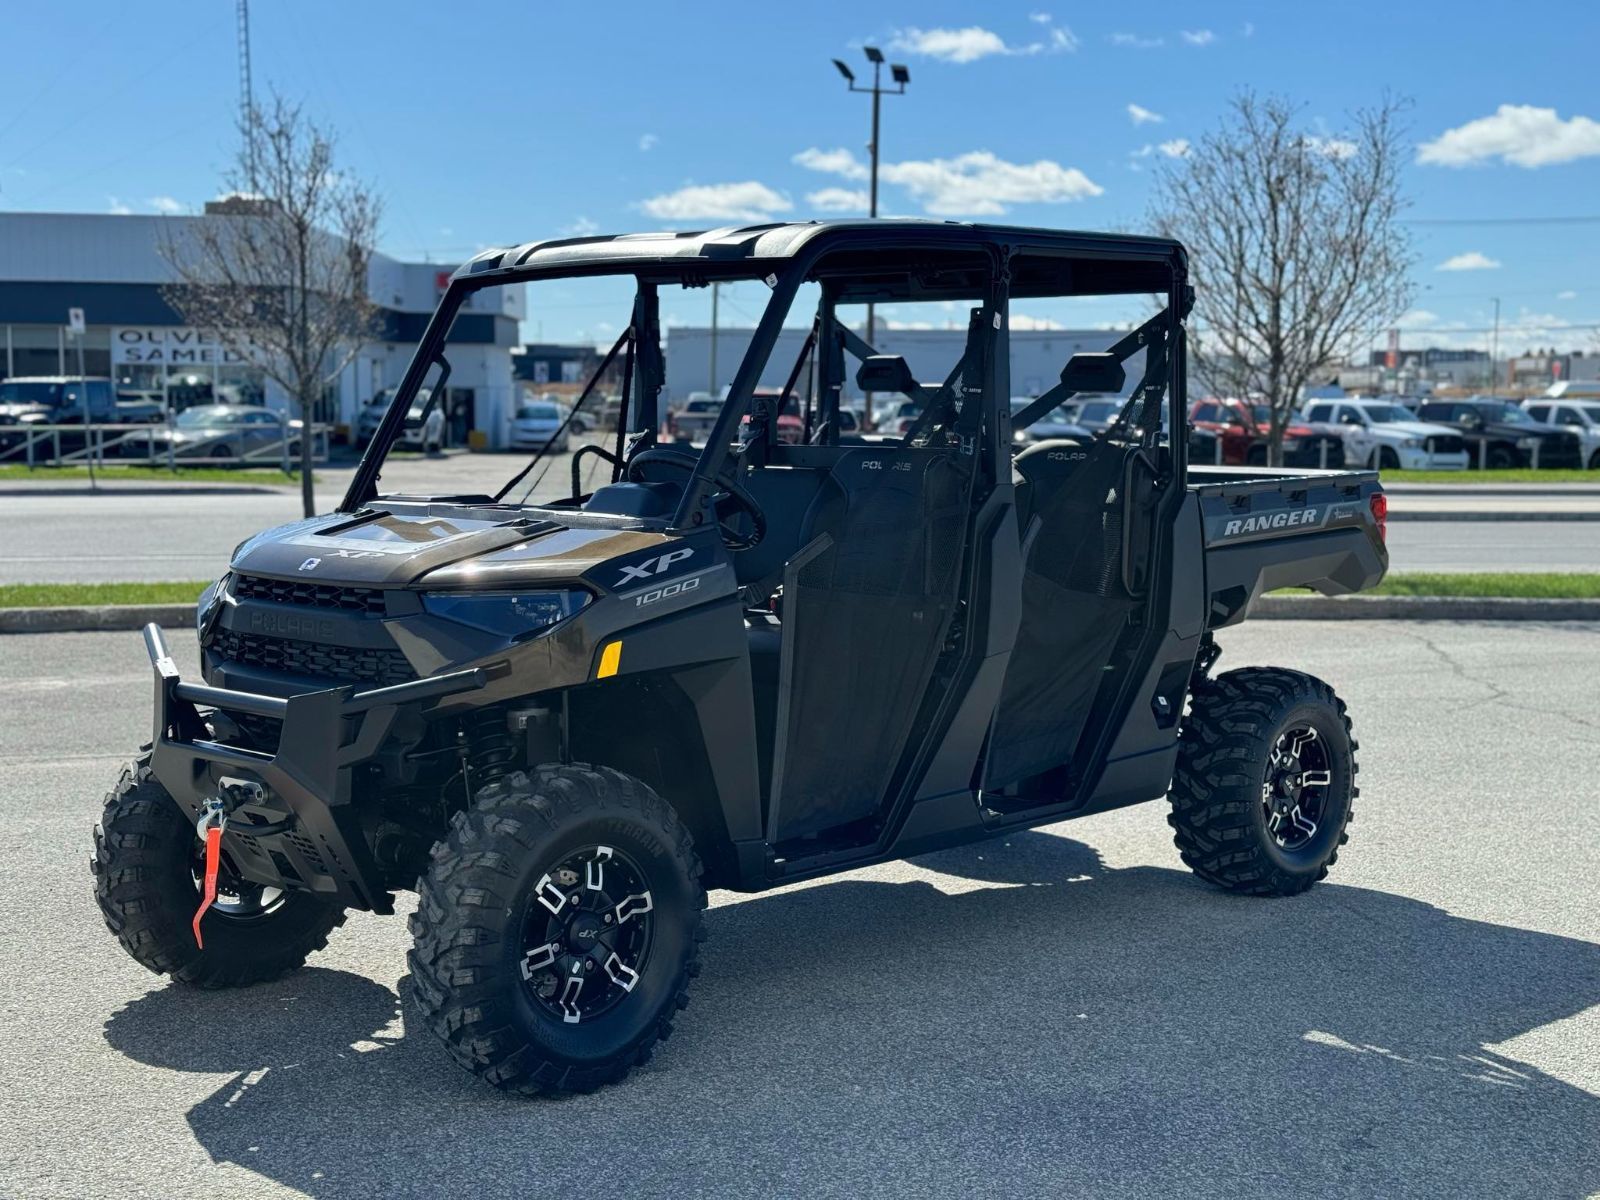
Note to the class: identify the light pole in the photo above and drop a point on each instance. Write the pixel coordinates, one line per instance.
(901, 77)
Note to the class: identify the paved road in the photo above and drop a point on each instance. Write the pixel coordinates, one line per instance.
(1064, 1013)
(94, 538)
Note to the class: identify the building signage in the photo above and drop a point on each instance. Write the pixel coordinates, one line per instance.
(176, 345)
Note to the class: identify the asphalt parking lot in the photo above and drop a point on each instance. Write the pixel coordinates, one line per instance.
(1062, 1013)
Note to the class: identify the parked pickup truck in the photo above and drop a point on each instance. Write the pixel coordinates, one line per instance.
(1382, 435)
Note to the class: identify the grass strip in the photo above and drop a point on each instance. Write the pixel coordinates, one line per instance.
(257, 475)
(1534, 585)
(1521, 475)
(82, 595)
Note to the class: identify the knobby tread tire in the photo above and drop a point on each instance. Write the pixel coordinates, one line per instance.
(1223, 749)
(466, 902)
(142, 847)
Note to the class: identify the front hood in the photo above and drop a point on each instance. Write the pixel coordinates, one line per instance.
(443, 547)
(1414, 429)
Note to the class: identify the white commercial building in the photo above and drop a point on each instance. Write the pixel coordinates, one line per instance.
(111, 267)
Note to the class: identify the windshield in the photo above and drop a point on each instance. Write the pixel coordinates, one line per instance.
(538, 412)
(1592, 411)
(1261, 414)
(1099, 410)
(1386, 414)
(1509, 413)
(48, 394)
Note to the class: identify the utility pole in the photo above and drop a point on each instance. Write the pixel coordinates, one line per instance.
(1494, 349)
(901, 77)
(713, 371)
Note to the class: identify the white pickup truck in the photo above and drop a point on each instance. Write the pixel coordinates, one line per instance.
(1380, 435)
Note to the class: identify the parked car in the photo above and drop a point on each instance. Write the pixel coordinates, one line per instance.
(1385, 436)
(692, 421)
(1500, 434)
(1242, 431)
(1057, 423)
(536, 423)
(372, 411)
(223, 431)
(59, 400)
(1096, 415)
(1580, 416)
(424, 428)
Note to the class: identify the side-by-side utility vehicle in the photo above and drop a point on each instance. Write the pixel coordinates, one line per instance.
(736, 664)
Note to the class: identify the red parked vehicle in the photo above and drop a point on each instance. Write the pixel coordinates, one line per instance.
(1241, 431)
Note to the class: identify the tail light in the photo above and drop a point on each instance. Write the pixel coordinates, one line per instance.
(1380, 513)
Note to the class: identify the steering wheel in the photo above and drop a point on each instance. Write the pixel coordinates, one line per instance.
(731, 494)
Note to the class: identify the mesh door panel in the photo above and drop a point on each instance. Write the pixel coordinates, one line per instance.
(866, 619)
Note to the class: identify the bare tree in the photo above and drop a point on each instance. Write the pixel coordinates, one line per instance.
(1295, 245)
(279, 268)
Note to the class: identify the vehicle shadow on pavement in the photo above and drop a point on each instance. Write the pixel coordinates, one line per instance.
(1034, 1024)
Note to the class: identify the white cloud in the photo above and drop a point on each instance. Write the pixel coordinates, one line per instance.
(746, 201)
(1134, 42)
(1198, 37)
(1022, 321)
(837, 199)
(1569, 294)
(582, 227)
(1517, 133)
(166, 205)
(974, 42)
(1176, 148)
(117, 208)
(1472, 260)
(1140, 115)
(1248, 29)
(832, 162)
(648, 141)
(949, 45)
(1042, 18)
(979, 183)
(1330, 147)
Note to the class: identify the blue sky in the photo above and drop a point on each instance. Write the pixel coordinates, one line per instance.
(488, 123)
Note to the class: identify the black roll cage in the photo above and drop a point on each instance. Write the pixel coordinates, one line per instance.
(785, 276)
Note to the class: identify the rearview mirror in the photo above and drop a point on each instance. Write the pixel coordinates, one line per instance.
(1096, 371)
(886, 373)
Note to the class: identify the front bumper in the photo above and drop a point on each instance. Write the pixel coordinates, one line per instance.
(291, 808)
(1426, 460)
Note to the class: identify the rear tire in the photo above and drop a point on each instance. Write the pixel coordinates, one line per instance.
(1235, 782)
(496, 966)
(144, 881)
(1502, 458)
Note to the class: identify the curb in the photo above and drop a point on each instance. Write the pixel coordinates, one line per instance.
(94, 617)
(1422, 608)
(125, 617)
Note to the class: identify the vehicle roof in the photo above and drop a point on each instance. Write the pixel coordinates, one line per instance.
(741, 247)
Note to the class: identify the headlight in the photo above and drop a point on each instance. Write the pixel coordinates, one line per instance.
(1528, 443)
(206, 606)
(514, 615)
(1411, 444)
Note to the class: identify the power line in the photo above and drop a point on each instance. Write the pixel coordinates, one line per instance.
(1500, 220)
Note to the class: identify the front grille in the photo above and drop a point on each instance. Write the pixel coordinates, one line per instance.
(310, 595)
(1444, 443)
(317, 659)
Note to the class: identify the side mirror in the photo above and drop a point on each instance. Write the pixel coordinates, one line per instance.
(886, 373)
(1093, 372)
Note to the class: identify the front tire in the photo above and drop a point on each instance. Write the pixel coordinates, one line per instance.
(535, 976)
(1265, 784)
(147, 886)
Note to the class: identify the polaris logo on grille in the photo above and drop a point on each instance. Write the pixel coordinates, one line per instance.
(1277, 520)
(291, 625)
